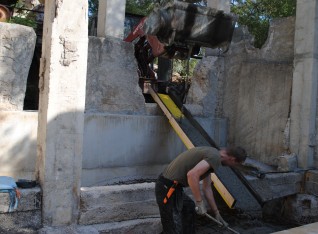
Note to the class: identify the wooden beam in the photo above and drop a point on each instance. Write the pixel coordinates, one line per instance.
(222, 190)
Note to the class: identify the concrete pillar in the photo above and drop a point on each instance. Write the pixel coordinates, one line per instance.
(223, 5)
(61, 109)
(111, 17)
(304, 91)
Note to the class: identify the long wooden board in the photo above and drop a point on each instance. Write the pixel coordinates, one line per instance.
(172, 112)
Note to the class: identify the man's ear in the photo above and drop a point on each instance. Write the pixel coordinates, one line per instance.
(233, 159)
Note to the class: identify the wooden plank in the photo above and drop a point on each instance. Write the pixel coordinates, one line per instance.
(172, 121)
(171, 106)
(225, 194)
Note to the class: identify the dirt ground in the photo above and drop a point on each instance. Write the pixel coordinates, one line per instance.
(241, 224)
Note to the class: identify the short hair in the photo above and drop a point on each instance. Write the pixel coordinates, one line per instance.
(237, 152)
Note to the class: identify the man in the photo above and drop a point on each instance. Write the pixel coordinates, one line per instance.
(177, 210)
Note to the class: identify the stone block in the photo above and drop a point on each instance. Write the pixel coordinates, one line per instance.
(117, 203)
(301, 209)
(112, 78)
(30, 200)
(311, 185)
(17, 45)
(205, 92)
(138, 226)
(287, 162)
(275, 186)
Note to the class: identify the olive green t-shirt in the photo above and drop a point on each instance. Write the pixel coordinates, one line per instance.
(184, 162)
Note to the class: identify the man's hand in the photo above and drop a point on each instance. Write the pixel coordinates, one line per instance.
(200, 208)
(219, 218)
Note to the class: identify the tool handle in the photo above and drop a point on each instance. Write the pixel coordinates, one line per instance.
(170, 192)
(218, 222)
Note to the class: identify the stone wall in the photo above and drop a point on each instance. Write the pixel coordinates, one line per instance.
(252, 89)
(17, 44)
(112, 79)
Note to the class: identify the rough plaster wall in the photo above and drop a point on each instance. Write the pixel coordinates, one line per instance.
(17, 44)
(205, 86)
(112, 79)
(316, 146)
(251, 88)
(262, 93)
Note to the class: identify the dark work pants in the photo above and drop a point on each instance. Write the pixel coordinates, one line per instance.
(178, 214)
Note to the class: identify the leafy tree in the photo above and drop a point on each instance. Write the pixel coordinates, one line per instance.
(92, 8)
(140, 7)
(257, 14)
(184, 67)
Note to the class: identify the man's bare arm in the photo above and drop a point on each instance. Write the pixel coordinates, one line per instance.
(194, 178)
(208, 193)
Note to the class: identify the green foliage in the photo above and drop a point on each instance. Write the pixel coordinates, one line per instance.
(23, 21)
(181, 66)
(139, 7)
(92, 8)
(256, 15)
(21, 15)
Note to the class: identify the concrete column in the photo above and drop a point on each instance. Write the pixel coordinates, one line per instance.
(111, 17)
(304, 94)
(61, 109)
(223, 5)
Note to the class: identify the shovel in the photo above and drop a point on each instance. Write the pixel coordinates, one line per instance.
(219, 223)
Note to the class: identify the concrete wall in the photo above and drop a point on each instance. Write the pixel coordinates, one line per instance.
(116, 147)
(126, 148)
(125, 139)
(18, 143)
(248, 88)
(111, 141)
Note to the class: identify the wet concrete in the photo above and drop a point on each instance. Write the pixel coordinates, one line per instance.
(264, 221)
(241, 224)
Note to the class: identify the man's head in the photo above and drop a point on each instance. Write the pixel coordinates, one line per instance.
(232, 156)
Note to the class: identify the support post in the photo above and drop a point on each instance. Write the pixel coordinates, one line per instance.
(304, 92)
(61, 109)
(111, 18)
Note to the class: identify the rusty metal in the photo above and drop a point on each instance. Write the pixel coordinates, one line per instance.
(177, 30)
